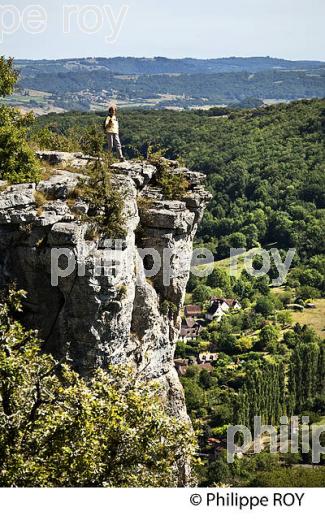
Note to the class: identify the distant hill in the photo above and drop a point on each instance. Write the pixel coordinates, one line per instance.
(89, 84)
(160, 65)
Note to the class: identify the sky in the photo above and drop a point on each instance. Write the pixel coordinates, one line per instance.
(292, 29)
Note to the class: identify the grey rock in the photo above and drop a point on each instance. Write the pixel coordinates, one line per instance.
(141, 172)
(76, 160)
(17, 196)
(180, 221)
(66, 234)
(60, 185)
(105, 310)
(80, 208)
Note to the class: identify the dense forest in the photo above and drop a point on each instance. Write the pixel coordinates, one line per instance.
(265, 169)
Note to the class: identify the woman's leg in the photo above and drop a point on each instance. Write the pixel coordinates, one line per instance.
(110, 142)
(118, 146)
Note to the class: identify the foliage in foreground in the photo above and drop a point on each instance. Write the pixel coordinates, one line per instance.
(17, 160)
(263, 470)
(104, 198)
(173, 183)
(59, 430)
(291, 477)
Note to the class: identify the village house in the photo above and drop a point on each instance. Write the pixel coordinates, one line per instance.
(193, 311)
(190, 329)
(227, 304)
(209, 357)
(181, 366)
(215, 312)
(233, 305)
(219, 307)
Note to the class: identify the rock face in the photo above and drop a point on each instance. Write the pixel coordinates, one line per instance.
(104, 309)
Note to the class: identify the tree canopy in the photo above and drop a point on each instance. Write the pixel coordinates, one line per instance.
(60, 430)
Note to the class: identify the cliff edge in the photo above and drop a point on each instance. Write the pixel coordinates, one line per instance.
(104, 308)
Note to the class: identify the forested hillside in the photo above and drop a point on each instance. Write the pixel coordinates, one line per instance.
(210, 88)
(160, 65)
(89, 84)
(265, 167)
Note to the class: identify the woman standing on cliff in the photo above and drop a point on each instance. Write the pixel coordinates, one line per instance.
(112, 129)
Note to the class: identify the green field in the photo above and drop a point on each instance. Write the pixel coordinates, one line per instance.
(313, 317)
(238, 262)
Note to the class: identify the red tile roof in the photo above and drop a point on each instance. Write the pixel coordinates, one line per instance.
(192, 310)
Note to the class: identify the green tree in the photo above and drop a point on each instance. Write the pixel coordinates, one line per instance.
(105, 199)
(59, 430)
(195, 396)
(17, 160)
(219, 278)
(237, 239)
(201, 294)
(219, 472)
(205, 379)
(262, 284)
(312, 278)
(269, 337)
(264, 306)
(8, 76)
(244, 344)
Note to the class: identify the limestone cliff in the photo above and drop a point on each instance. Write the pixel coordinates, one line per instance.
(103, 317)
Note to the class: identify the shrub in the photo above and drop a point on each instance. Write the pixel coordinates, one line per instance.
(306, 292)
(40, 199)
(59, 430)
(18, 163)
(168, 309)
(174, 184)
(106, 203)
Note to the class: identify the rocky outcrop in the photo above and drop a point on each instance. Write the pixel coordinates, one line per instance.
(105, 310)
